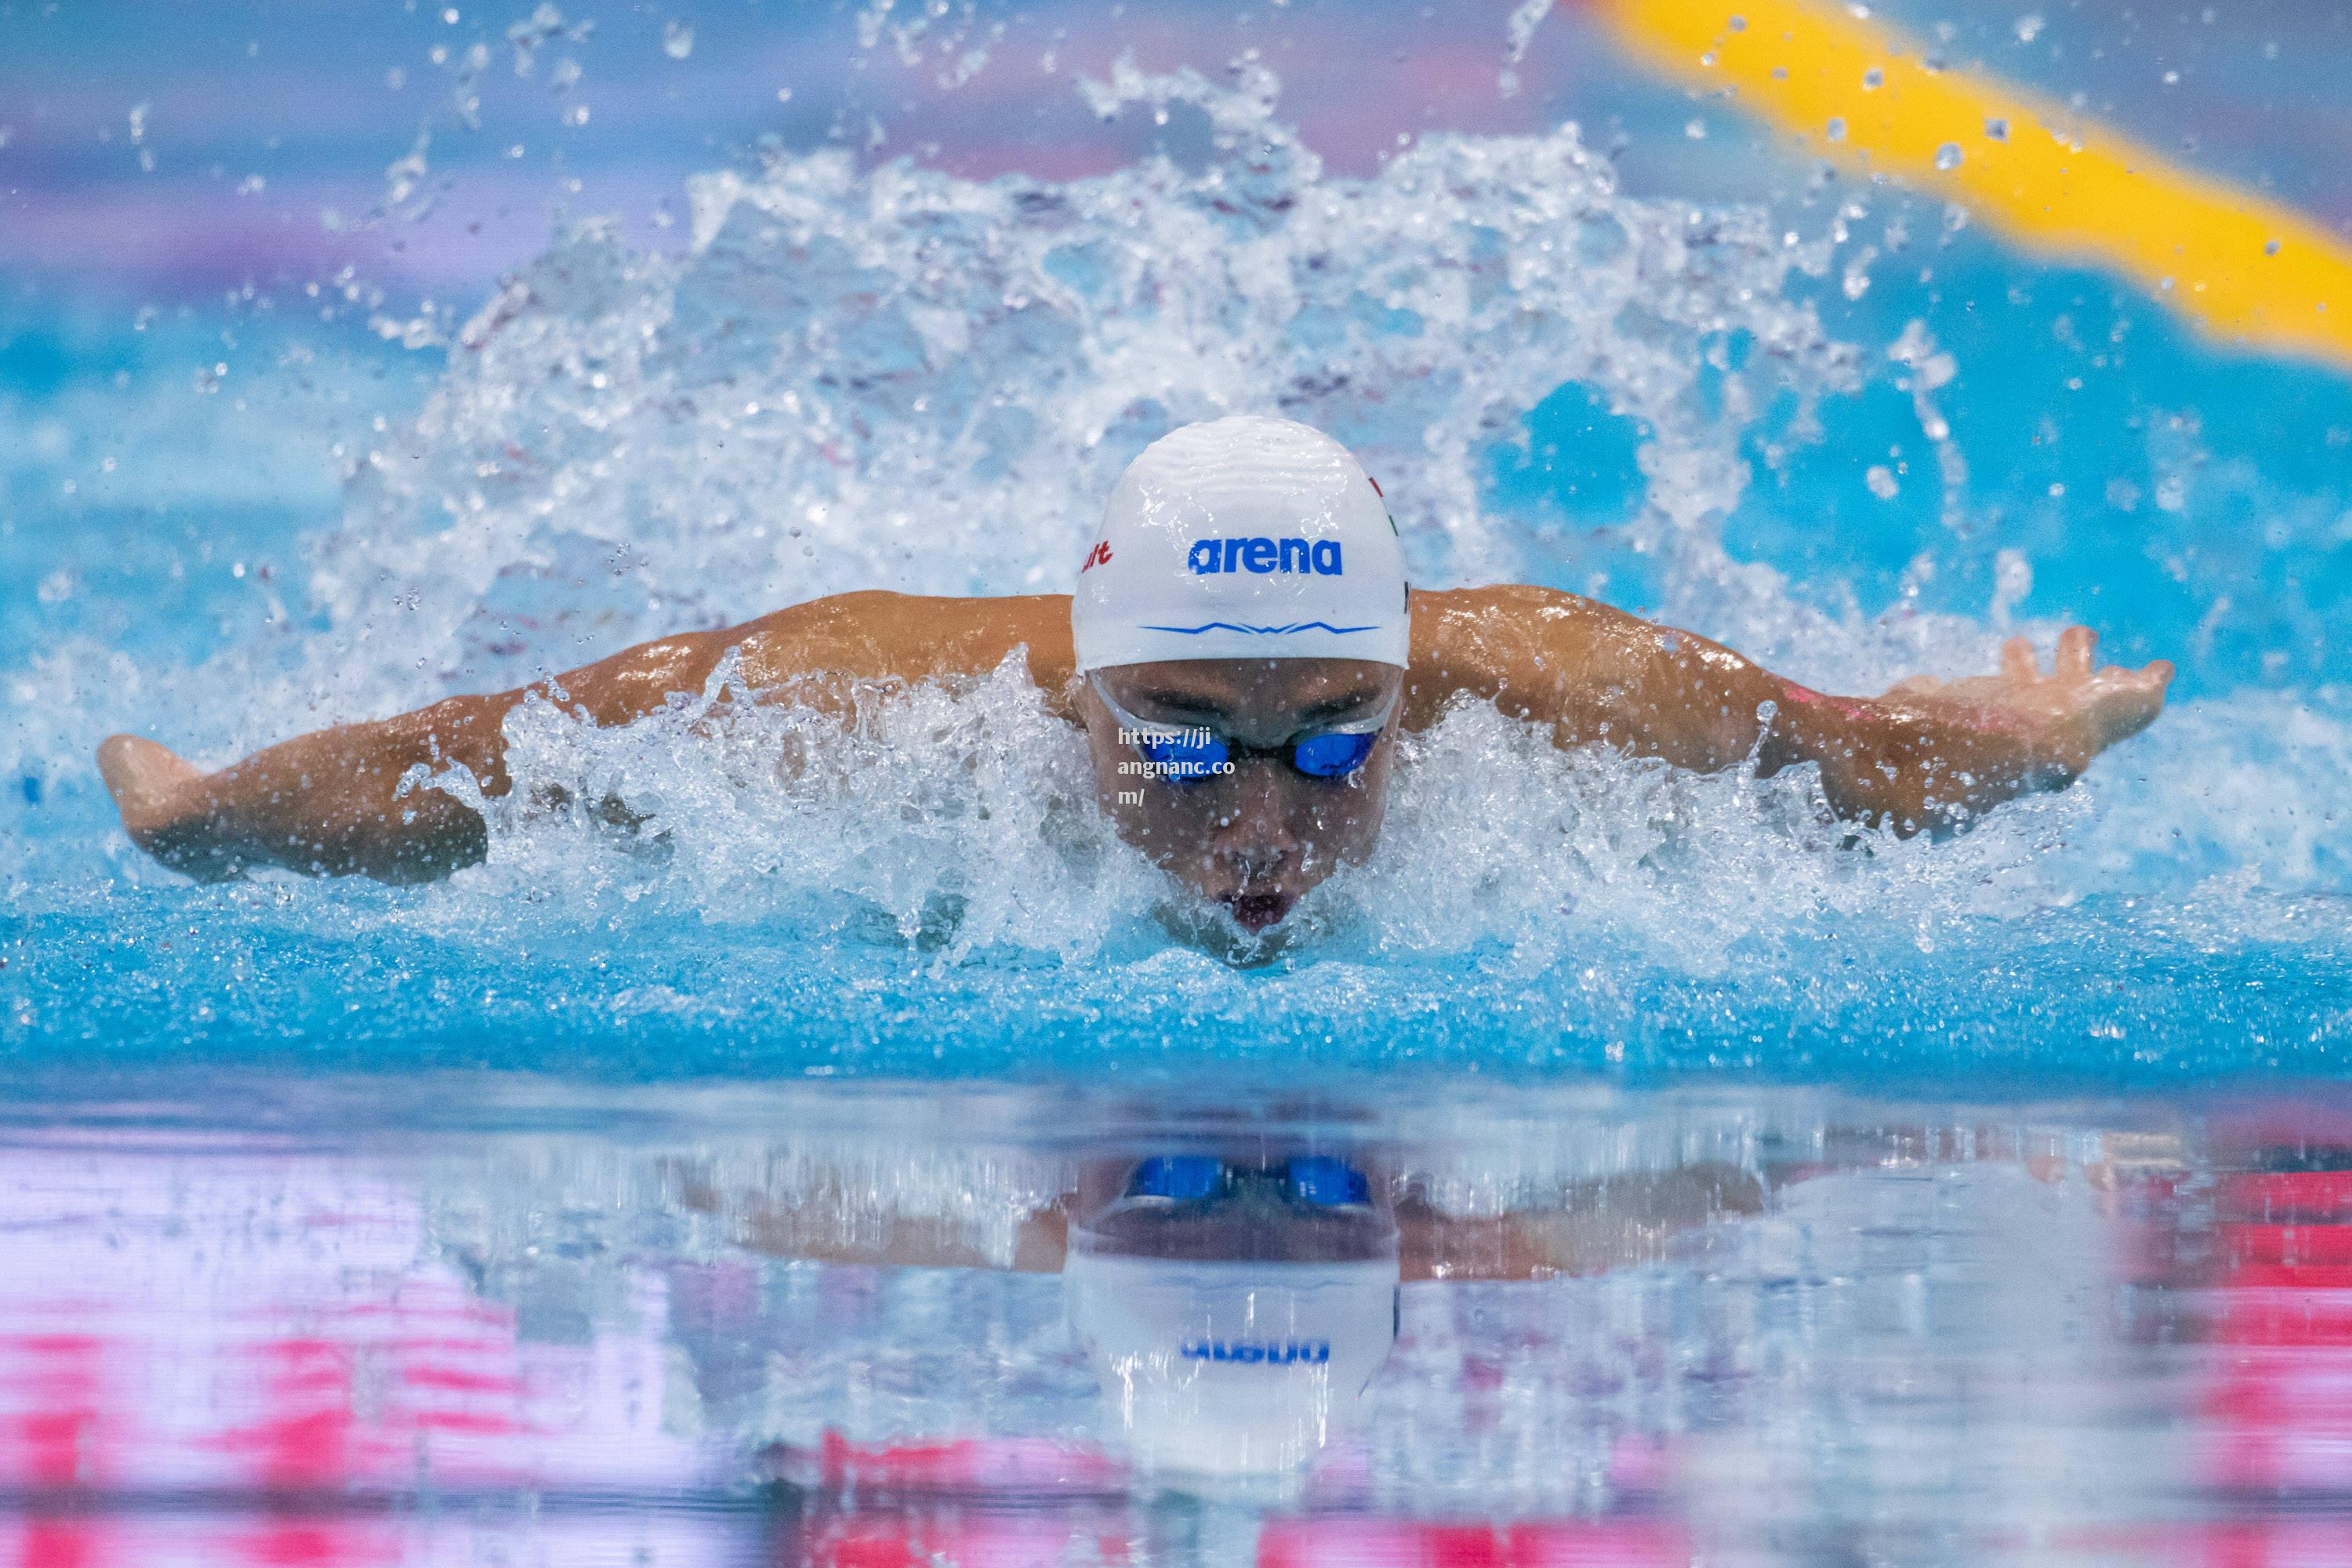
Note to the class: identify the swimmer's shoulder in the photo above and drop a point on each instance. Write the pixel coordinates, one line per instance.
(1510, 643)
(1503, 620)
(879, 635)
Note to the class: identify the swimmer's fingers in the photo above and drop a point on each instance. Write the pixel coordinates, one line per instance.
(2128, 700)
(2075, 660)
(2076, 646)
(2151, 677)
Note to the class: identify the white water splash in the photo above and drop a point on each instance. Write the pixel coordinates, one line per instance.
(1518, 32)
(895, 377)
(900, 378)
(946, 36)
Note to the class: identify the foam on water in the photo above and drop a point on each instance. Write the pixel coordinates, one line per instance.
(896, 377)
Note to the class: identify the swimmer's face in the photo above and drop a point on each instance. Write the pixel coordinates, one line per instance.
(1257, 838)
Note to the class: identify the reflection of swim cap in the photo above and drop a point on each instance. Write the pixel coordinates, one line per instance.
(1243, 538)
(1231, 1369)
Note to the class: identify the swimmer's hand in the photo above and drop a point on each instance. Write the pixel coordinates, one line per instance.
(155, 790)
(1930, 755)
(2057, 720)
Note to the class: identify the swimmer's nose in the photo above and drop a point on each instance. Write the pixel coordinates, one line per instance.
(1256, 839)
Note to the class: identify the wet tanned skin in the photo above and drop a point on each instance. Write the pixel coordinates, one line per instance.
(1927, 755)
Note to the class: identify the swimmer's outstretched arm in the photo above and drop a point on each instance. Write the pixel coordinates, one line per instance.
(1926, 755)
(331, 804)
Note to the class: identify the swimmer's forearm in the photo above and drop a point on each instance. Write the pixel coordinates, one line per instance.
(331, 804)
(337, 803)
(1888, 766)
(1925, 757)
(1700, 706)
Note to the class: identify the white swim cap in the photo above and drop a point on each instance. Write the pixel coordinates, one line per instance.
(1243, 538)
(1226, 1368)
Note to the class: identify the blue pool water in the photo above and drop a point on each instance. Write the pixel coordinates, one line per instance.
(696, 1196)
(1828, 423)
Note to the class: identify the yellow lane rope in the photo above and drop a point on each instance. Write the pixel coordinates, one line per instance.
(2249, 269)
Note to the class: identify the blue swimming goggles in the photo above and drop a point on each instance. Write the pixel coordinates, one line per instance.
(1186, 754)
(1316, 1181)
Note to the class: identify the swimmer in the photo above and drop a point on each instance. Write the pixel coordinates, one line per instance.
(1240, 655)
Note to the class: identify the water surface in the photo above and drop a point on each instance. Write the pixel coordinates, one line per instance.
(498, 1319)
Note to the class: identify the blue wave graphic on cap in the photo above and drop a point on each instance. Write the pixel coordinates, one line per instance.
(1262, 631)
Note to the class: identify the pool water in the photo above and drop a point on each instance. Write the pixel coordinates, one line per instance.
(1829, 424)
(342, 1324)
(1973, 1199)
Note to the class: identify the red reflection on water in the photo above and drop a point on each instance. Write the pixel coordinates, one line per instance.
(48, 1444)
(1008, 1531)
(2275, 1389)
(1557, 1543)
(1031, 1503)
(182, 1331)
(968, 1540)
(1006, 1466)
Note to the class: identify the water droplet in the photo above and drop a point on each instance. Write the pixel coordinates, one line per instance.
(2172, 79)
(1947, 156)
(1856, 282)
(2272, 248)
(1695, 130)
(1872, 80)
(1997, 130)
(1835, 129)
(2030, 26)
(1882, 482)
(677, 39)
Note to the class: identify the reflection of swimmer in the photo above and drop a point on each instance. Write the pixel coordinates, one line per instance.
(1234, 1296)
(1241, 652)
(1234, 1311)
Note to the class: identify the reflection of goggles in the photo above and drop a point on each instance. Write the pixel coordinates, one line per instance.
(1316, 1181)
(1185, 753)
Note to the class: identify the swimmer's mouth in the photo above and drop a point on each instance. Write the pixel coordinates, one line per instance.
(1255, 911)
